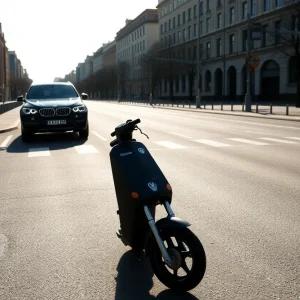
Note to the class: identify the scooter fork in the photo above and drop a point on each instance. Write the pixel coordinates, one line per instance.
(168, 260)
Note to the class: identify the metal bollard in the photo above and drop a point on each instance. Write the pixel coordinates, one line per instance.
(222, 106)
(231, 107)
(204, 105)
(172, 104)
(212, 106)
(256, 107)
(243, 107)
(183, 105)
(190, 105)
(287, 109)
(271, 108)
(177, 104)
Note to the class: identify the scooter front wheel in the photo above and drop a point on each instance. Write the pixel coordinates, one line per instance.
(184, 247)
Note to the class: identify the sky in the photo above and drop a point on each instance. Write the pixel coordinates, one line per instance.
(52, 37)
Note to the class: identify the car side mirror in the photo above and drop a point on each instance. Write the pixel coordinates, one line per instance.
(20, 98)
(84, 96)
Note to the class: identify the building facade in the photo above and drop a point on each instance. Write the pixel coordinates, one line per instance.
(132, 44)
(221, 26)
(4, 69)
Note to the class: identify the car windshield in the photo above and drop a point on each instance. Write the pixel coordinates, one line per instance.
(51, 91)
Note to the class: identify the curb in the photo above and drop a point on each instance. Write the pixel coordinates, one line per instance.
(14, 126)
(221, 113)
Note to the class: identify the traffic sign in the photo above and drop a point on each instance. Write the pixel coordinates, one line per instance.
(254, 62)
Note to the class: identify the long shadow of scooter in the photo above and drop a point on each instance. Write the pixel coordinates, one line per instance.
(134, 281)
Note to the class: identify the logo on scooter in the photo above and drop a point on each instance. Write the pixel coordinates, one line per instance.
(124, 154)
(152, 186)
(141, 150)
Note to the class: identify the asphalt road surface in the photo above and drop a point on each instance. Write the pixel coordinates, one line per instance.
(236, 179)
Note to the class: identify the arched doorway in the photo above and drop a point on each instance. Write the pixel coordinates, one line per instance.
(231, 75)
(270, 81)
(218, 83)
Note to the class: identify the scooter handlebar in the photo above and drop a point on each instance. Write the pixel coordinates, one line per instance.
(129, 124)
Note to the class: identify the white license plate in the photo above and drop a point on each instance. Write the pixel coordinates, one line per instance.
(56, 122)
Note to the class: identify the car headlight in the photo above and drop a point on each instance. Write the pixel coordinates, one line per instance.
(80, 108)
(28, 111)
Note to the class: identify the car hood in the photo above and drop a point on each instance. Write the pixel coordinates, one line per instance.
(53, 102)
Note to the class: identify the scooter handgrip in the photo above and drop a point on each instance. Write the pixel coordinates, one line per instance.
(114, 142)
(137, 121)
(113, 133)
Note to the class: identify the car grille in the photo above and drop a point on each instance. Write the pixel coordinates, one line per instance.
(63, 111)
(47, 112)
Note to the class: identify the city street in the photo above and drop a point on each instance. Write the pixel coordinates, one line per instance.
(235, 179)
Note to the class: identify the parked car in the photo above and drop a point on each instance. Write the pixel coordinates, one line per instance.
(53, 107)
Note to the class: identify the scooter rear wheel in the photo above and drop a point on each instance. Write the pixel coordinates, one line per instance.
(187, 245)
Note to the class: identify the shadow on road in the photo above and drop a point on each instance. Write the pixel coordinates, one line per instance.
(54, 141)
(134, 281)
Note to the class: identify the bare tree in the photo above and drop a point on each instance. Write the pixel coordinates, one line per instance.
(288, 35)
(123, 70)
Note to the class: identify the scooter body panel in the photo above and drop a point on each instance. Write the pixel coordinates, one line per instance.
(135, 171)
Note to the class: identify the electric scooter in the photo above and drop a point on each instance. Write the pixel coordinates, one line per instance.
(140, 186)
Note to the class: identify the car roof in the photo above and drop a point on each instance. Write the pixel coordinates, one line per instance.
(52, 83)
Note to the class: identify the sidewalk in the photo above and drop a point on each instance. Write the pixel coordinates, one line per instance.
(278, 112)
(10, 120)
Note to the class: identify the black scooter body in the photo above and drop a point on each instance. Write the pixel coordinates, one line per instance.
(134, 169)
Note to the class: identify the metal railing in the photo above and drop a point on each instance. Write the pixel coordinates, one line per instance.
(9, 105)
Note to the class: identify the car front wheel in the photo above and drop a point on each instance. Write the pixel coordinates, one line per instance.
(84, 134)
(26, 136)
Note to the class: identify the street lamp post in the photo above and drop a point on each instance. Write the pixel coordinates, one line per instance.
(248, 92)
(198, 100)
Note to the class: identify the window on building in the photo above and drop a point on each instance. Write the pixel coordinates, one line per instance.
(277, 26)
(253, 7)
(293, 70)
(161, 28)
(177, 84)
(194, 53)
(278, 3)
(143, 30)
(244, 10)
(231, 43)
(144, 45)
(195, 11)
(179, 36)
(195, 30)
(183, 80)
(219, 20)
(170, 24)
(165, 26)
(189, 14)
(201, 9)
(161, 42)
(207, 25)
(219, 47)
(183, 17)
(189, 32)
(174, 23)
(174, 38)
(232, 15)
(264, 40)
(189, 53)
(184, 34)
(166, 85)
(244, 40)
(178, 21)
(266, 5)
(201, 27)
(208, 50)
(208, 2)
(170, 40)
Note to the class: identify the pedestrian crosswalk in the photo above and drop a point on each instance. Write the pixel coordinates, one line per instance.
(95, 144)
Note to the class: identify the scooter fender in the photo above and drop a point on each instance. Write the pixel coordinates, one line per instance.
(163, 224)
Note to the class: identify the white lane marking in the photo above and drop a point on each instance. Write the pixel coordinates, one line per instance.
(279, 140)
(3, 244)
(6, 141)
(169, 145)
(211, 143)
(181, 135)
(42, 151)
(294, 138)
(85, 149)
(248, 141)
(99, 136)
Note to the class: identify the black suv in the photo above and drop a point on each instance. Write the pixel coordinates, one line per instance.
(53, 107)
